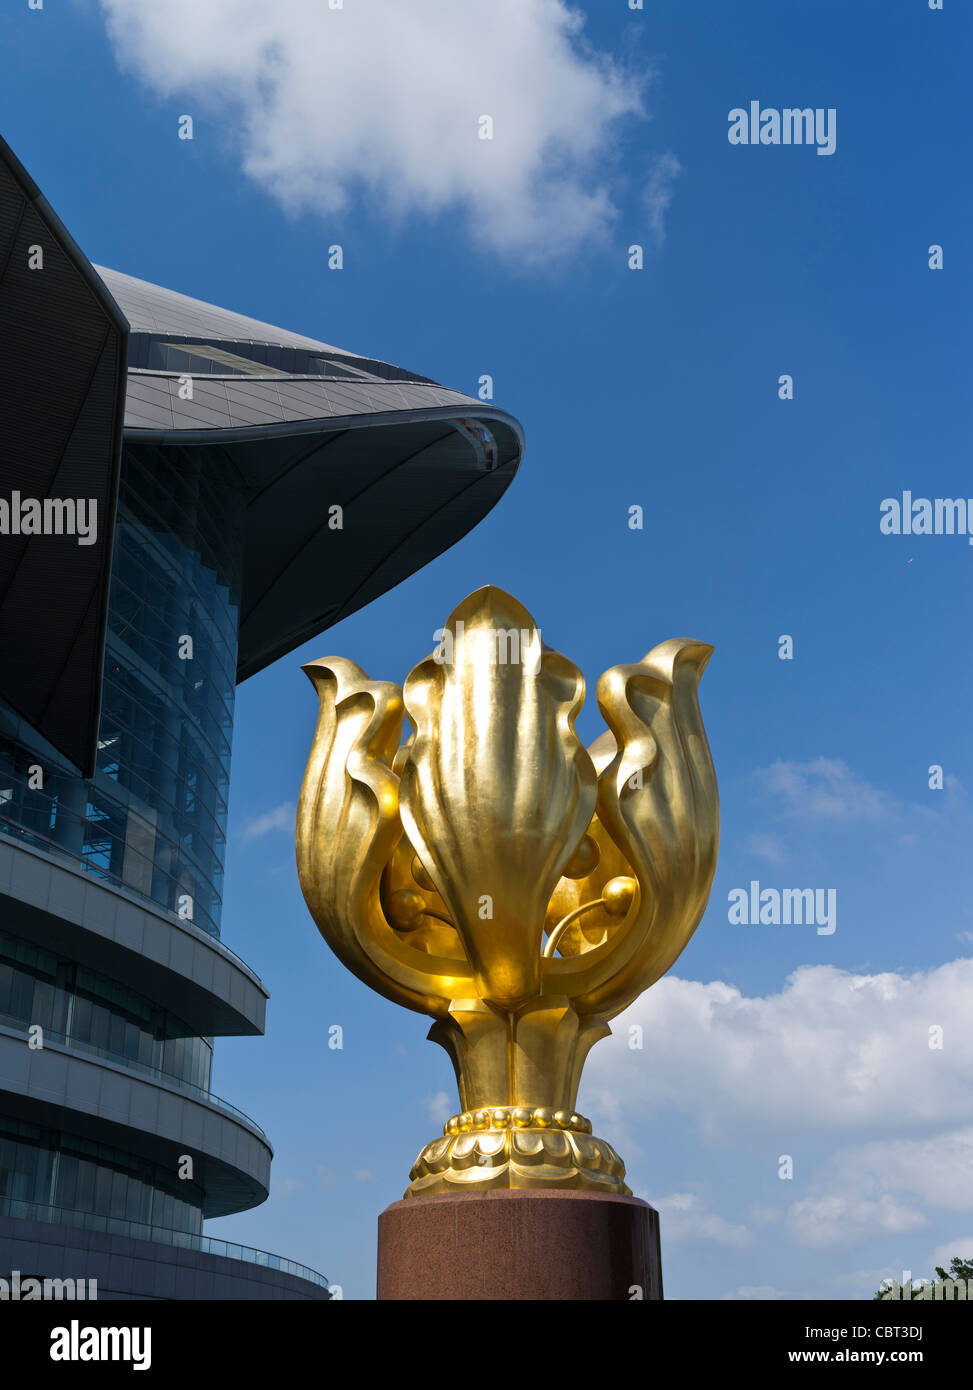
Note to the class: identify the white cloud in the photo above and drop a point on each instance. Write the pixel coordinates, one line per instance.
(831, 1052)
(766, 847)
(936, 1169)
(439, 1107)
(824, 795)
(961, 1248)
(824, 789)
(659, 191)
(384, 100)
(847, 1219)
(280, 818)
(758, 1293)
(885, 1188)
(862, 1282)
(684, 1217)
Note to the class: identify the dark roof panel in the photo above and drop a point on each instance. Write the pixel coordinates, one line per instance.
(63, 344)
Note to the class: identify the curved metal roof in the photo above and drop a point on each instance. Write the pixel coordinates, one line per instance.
(413, 465)
(151, 309)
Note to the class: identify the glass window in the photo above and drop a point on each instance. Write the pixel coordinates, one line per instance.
(103, 1014)
(154, 816)
(86, 1186)
(66, 1190)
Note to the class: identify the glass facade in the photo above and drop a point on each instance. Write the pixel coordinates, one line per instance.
(54, 1169)
(153, 818)
(78, 1007)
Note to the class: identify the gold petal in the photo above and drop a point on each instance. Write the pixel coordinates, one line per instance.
(658, 800)
(596, 926)
(497, 789)
(347, 828)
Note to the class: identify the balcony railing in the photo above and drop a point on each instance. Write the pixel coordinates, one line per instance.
(144, 1068)
(34, 843)
(137, 1230)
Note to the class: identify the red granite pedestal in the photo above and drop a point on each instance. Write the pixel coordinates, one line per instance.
(524, 1244)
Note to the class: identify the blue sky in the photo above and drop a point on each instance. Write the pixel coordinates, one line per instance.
(656, 387)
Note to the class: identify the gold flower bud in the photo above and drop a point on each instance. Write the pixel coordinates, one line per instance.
(584, 860)
(618, 895)
(405, 909)
(421, 876)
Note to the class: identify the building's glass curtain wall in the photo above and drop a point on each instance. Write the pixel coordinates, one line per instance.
(50, 1168)
(84, 1009)
(153, 819)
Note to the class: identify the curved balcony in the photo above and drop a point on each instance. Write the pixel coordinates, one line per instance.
(177, 965)
(158, 1118)
(137, 1230)
(17, 1025)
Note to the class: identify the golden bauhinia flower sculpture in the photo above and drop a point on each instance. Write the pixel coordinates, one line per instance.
(493, 873)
